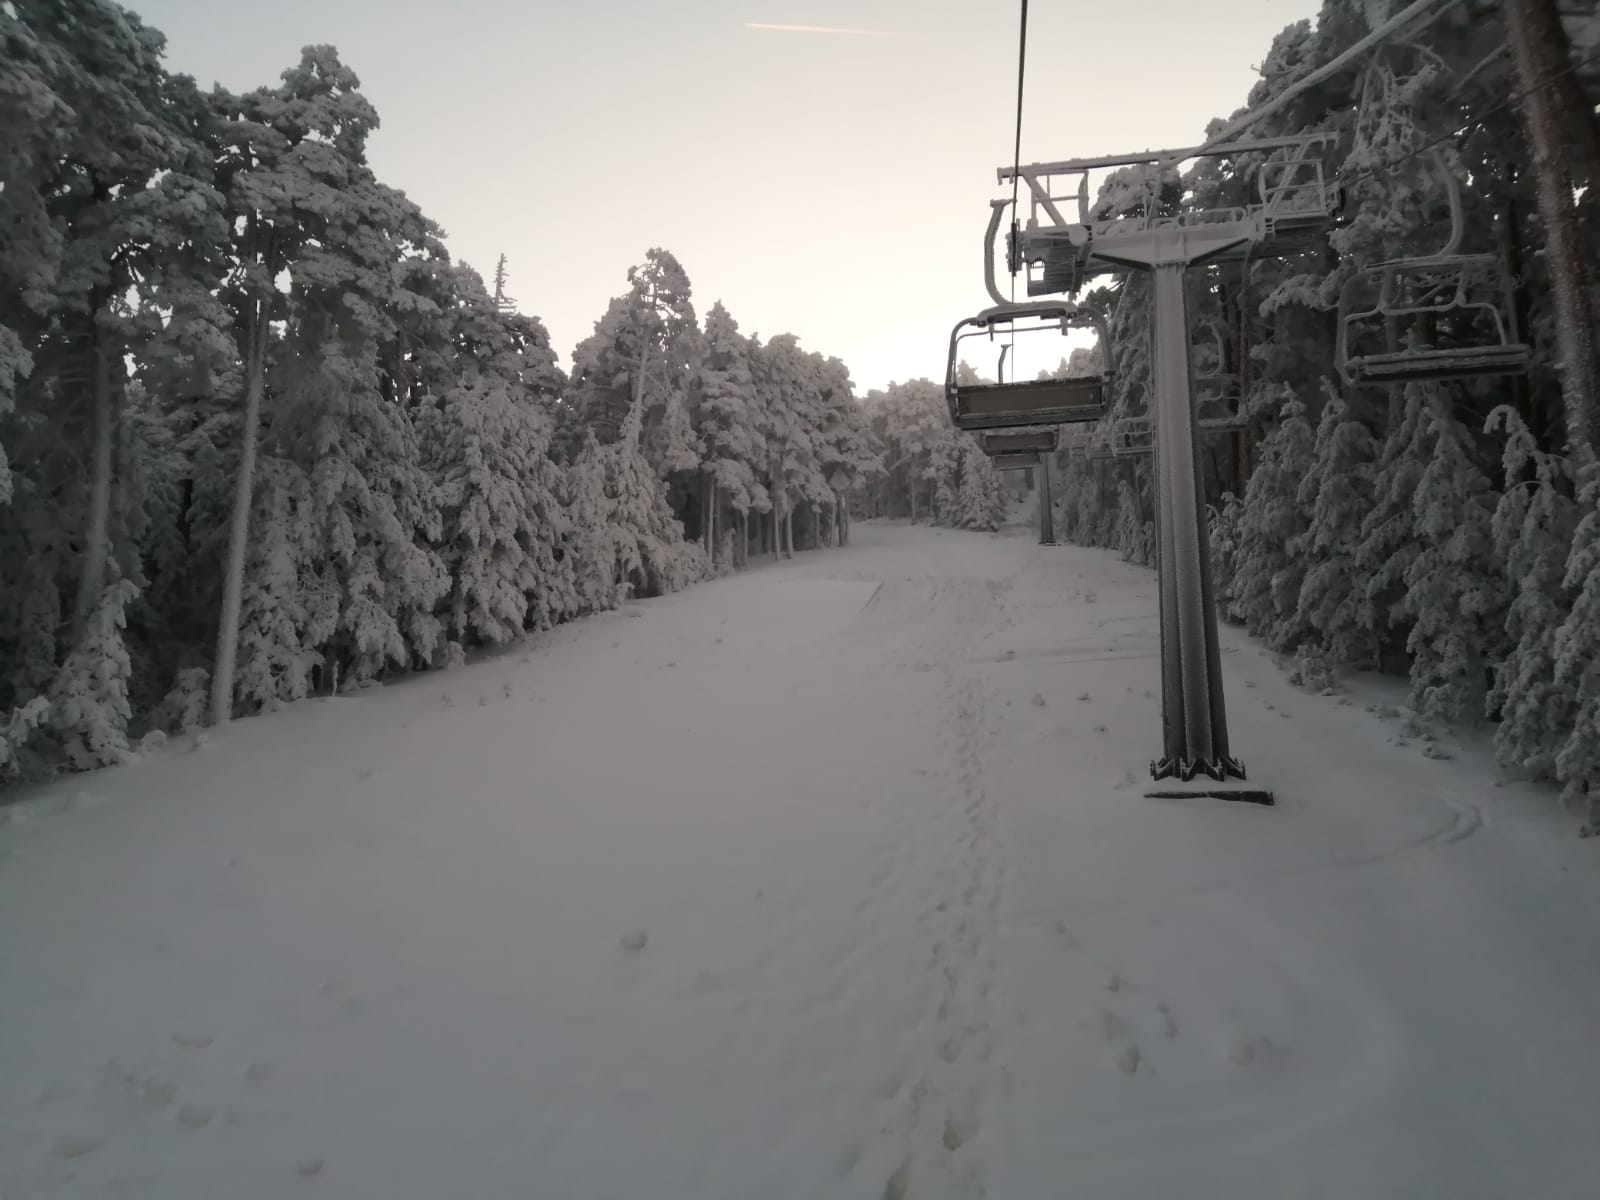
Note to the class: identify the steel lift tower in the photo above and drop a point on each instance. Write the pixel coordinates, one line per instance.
(1060, 251)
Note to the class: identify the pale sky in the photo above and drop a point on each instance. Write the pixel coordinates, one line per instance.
(834, 185)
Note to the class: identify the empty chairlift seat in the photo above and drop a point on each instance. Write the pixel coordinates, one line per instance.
(1021, 442)
(1456, 303)
(1448, 313)
(979, 406)
(1020, 460)
(1132, 435)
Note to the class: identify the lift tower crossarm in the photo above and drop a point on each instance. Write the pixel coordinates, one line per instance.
(1209, 150)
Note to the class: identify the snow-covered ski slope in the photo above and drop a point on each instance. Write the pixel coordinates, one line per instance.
(832, 879)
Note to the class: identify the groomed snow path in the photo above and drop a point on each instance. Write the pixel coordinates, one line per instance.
(832, 879)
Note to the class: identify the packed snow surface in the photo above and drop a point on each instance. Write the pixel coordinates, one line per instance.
(832, 879)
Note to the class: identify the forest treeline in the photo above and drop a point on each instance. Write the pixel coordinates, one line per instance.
(262, 438)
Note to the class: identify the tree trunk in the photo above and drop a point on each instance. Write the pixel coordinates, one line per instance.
(1538, 48)
(92, 578)
(256, 332)
(705, 513)
(1508, 233)
(744, 538)
(1578, 108)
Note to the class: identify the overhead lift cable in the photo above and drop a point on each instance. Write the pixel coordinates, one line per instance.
(1515, 97)
(1382, 33)
(1016, 158)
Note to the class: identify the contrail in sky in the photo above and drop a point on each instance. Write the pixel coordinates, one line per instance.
(881, 33)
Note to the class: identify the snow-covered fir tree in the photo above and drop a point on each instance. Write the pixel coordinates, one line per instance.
(1577, 665)
(1269, 566)
(1534, 520)
(1455, 589)
(1336, 495)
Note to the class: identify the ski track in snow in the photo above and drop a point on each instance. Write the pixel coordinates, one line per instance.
(834, 878)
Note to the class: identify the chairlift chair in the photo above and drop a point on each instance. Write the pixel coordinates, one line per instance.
(981, 406)
(1098, 447)
(1076, 441)
(1132, 435)
(1020, 460)
(1021, 442)
(1466, 294)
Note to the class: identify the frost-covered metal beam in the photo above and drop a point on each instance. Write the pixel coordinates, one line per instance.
(1071, 165)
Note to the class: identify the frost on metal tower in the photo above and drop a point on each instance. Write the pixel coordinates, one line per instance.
(1060, 247)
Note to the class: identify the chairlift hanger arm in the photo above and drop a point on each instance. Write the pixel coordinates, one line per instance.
(997, 209)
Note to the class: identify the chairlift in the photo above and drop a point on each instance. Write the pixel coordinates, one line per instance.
(1294, 190)
(1217, 394)
(1466, 295)
(980, 406)
(1076, 441)
(1021, 442)
(1098, 446)
(1022, 460)
(1132, 435)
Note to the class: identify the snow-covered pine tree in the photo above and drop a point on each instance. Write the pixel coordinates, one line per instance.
(1577, 664)
(1265, 591)
(488, 438)
(1388, 532)
(727, 419)
(651, 553)
(1455, 590)
(640, 355)
(89, 709)
(17, 731)
(1128, 523)
(589, 542)
(796, 417)
(943, 472)
(846, 447)
(377, 504)
(37, 122)
(973, 506)
(275, 663)
(1223, 527)
(106, 212)
(275, 200)
(1534, 524)
(503, 300)
(1336, 494)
